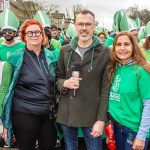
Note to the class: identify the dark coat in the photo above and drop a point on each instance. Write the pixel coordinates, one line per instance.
(91, 101)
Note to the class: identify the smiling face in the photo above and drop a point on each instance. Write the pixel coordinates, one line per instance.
(85, 25)
(33, 35)
(123, 49)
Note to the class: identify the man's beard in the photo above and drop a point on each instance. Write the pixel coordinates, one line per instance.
(9, 39)
(84, 39)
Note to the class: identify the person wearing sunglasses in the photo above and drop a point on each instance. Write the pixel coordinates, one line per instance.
(30, 98)
(9, 26)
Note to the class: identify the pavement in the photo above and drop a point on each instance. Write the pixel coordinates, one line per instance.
(81, 146)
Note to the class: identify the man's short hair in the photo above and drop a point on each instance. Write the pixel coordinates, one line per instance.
(54, 27)
(86, 11)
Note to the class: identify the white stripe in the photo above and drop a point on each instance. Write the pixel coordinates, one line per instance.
(6, 17)
(9, 27)
(1, 70)
(42, 19)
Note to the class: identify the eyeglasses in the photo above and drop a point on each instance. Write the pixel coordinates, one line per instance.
(36, 33)
(9, 31)
(87, 25)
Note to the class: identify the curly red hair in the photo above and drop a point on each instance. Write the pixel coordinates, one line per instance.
(28, 23)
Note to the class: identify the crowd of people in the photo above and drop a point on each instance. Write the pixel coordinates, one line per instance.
(52, 86)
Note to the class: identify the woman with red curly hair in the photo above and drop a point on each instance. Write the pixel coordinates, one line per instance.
(29, 102)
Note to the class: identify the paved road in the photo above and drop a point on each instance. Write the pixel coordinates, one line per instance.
(81, 146)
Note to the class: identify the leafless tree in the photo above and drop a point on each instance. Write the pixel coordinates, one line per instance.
(143, 14)
(27, 9)
(74, 11)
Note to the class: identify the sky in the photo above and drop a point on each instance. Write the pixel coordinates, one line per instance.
(104, 9)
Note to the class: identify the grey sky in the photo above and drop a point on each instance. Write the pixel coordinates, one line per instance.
(104, 9)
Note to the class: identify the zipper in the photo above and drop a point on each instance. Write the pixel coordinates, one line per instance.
(39, 63)
(44, 67)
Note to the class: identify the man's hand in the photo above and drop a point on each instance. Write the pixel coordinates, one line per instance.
(72, 83)
(5, 134)
(97, 129)
(138, 144)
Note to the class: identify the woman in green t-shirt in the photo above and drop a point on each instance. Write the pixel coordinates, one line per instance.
(129, 101)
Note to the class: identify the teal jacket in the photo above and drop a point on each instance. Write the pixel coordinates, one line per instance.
(16, 60)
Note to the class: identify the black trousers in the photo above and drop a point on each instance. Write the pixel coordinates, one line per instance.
(28, 128)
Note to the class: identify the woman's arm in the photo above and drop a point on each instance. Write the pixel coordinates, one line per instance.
(139, 141)
(145, 121)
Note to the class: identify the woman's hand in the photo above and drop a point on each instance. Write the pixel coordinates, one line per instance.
(138, 144)
(5, 134)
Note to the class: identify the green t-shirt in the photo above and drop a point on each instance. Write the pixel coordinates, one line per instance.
(6, 51)
(128, 90)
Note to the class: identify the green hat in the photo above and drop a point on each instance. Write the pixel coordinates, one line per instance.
(142, 34)
(117, 19)
(43, 18)
(138, 22)
(127, 24)
(8, 20)
(71, 32)
(147, 29)
(99, 29)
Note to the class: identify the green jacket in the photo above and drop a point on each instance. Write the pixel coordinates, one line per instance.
(91, 101)
(56, 44)
(55, 51)
(16, 60)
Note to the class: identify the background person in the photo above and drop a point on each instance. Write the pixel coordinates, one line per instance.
(102, 36)
(9, 25)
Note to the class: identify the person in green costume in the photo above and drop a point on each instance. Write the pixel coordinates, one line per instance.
(129, 100)
(9, 27)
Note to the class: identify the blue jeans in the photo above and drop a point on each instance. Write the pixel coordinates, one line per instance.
(124, 137)
(71, 138)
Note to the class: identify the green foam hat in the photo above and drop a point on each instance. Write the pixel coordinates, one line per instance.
(99, 29)
(147, 29)
(71, 32)
(117, 19)
(8, 20)
(138, 22)
(141, 34)
(43, 18)
(127, 24)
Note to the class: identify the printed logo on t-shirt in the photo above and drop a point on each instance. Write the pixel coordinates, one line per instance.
(113, 94)
(116, 83)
